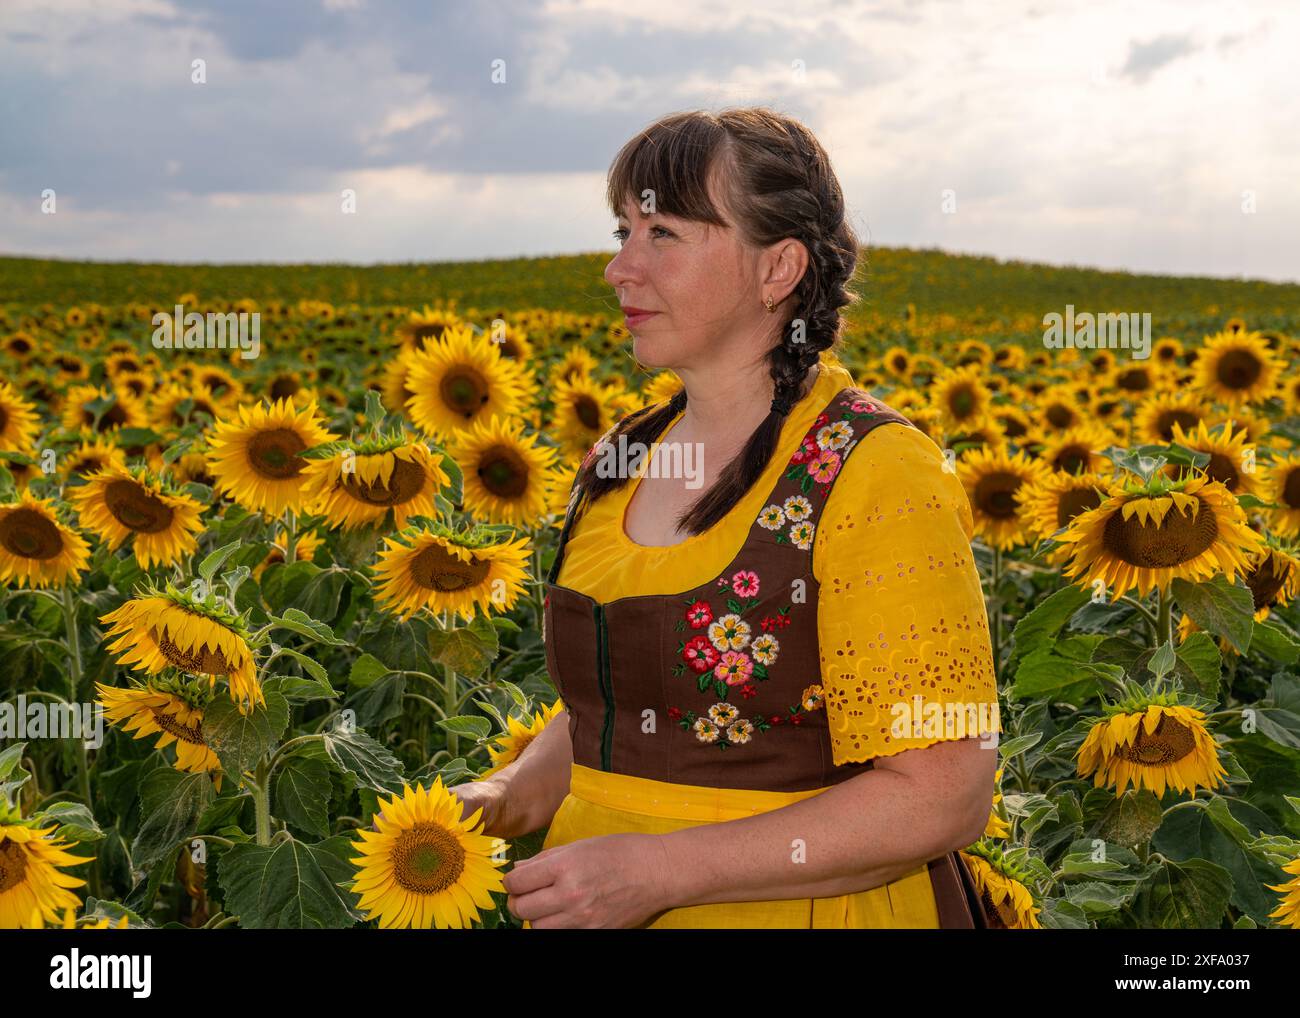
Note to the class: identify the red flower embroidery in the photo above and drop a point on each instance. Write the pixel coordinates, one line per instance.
(699, 654)
(748, 690)
(674, 714)
(776, 719)
(796, 719)
(699, 614)
(807, 450)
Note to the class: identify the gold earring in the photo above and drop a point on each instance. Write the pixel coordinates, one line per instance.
(767, 303)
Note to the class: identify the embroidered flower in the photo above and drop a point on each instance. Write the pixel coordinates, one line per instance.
(834, 436)
(748, 690)
(814, 698)
(699, 654)
(771, 518)
(706, 730)
(699, 614)
(797, 508)
(723, 714)
(730, 632)
(862, 406)
(674, 714)
(823, 467)
(734, 668)
(764, 649)
(745, 583)
(822, 418)
(741, 731)
(807, 449)
(801, 534)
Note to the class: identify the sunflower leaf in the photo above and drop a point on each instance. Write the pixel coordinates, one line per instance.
(288, 885)
(214, 561)
(1038, 630)
(358, 754)
(1163, 660)
(240, 740)
(304, 625)
(171, 803)
(467, 725)
(302, 793)
(75, 821)
(1218, 607)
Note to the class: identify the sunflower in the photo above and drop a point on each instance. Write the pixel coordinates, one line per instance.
(461, 378)
(394, 381)
(36, 550)
(1076, 449)
(1281, 486)
(1012, 422)
(1146, 534)
(425, 867)
(174, 716)
(447, 571)
(1059, 409)
(171, 629)
(255, 459)
(428, 324)
(507, 475)
(1236, 368)
(19, 345)
(1287, 912)
(1052, 502)
(93, 454)
(1158, 415)
(115, 408)
(897, 360)
(576, 363)
(1273, 578)
(176, 405)
(960, 396)
(18, 421)
(584, 410)
(1227, 454)
(997, 827)
(663, 387)
(992, 479)
(359, 484)
(116, 504)
(1003, 883)
(512, 341)
(506, 748)
(31, 884)
(220, 382)
(1152, 741)
(71, 921)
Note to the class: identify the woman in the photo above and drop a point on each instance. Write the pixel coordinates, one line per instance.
(735, 657)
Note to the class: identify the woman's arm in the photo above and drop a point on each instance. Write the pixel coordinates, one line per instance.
(864, 832)
(531, 787)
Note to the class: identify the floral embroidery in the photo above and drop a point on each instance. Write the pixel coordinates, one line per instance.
(728, 655)
(699, 654)
(730, 632)
(699, 614)
(771, 518)
(723, 726)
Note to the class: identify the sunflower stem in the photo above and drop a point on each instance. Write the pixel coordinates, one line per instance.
(449, 690)
(74, 692)
(1164, 619)
(996, 598)
(290, 536)
(262, 801)
(1145, 612)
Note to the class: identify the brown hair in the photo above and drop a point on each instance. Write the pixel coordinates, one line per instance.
(780, 185)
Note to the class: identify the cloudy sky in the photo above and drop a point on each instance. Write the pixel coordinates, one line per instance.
(1159, 137)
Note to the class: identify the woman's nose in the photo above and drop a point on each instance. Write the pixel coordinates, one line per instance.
(622, 269)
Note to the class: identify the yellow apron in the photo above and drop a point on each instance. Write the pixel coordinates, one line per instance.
(602, 803)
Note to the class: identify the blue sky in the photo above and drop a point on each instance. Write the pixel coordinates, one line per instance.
(1109, 134)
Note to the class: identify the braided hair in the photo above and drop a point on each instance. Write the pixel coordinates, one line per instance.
(780, 185)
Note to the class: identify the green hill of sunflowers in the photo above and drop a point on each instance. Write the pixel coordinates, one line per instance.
(306, 586)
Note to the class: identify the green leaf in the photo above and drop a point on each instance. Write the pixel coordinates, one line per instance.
(377, 704)
(1038, 630)
(240, 740)
(374, 409)
(467, 650)
(1096, 898)
(468, 725)
(302, 793)
(366, 669)
(1132, 819)
(296, 689)
(304, 625)
(1163, 660)
(1200, 664)
(74, 819)
(288, 885)
(1219, 608)
(171, 803)
(209, 566)
(313, 668)
(1190, 895)
(1275, 643)
(357, 753)
(1044, 673)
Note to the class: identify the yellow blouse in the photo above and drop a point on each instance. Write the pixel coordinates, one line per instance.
(900, 610)
(900, 614)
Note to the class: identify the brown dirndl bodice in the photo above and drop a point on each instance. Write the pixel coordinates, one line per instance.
(649, 694)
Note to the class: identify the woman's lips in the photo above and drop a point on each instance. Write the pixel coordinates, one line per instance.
(635, 318)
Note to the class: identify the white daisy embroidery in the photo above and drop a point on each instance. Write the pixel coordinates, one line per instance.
(801, 535)
(723, 714)
(797, 508)
(834, 436)
(771, 518)
(730, 632)
(741, 731)
(765, 648)
(705, 730)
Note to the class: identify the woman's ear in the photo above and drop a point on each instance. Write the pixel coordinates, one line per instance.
(785, 263)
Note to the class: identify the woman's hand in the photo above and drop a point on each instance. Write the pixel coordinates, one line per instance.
(614, 881)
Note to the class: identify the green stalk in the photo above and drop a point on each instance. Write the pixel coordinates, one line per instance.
(450, 693)
(262, 802)
(1164, 619)
(74, 696)
(997, 609)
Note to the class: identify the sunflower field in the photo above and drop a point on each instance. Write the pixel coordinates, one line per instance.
(303, 591)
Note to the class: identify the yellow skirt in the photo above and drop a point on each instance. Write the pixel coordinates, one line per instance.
(602, 803)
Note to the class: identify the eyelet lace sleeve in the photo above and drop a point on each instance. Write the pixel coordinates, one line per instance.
(901, 613)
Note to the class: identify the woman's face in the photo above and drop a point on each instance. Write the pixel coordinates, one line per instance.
(700, 281)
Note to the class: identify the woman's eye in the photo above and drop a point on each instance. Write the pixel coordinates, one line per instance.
(621, 233)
